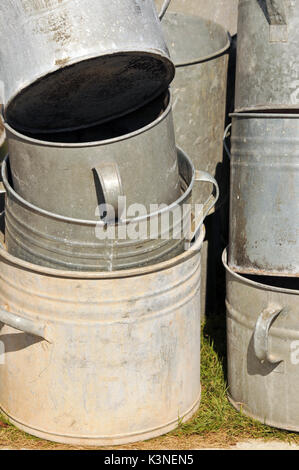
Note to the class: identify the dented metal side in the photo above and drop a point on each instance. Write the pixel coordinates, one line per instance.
(263, 347)
(264, 212)
(120, 361)
(267, 56)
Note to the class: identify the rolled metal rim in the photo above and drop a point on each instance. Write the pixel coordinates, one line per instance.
(95, 223)
(261, 115)
(159, 56)
(136, 272)
(208, 57)
(256, 285)
(45, 143)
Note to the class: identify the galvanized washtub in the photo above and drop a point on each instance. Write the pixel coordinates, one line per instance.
(267, 59)
(264, 213)
(85, 61)
(55, 241)
(199, 49)
(71, 174)
(100, 359)
(263, 348)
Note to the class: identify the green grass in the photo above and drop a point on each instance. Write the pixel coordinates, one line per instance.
(217, 420)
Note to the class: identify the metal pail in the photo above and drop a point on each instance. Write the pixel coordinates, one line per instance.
(264, 212)
(100, 359)
(54, 241)
(200, 51)
(83, 62)
(263, 348)
(71, 174)
(267, 57)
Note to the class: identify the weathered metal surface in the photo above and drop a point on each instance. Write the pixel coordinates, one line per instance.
(267, 71)
(224, 12)
(48, 239)
(199, 49)
(118, 357)
(264, 212)
(263, 348)
(85, 61)
(66, 173)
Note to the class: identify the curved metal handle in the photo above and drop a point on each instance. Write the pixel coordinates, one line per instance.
(261, 334)
(110, 180)
(35, 328)
(164, 9)
(203, 176)
(276, 12)
(225, 136)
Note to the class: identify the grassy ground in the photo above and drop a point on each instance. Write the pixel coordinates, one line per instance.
(216, 424)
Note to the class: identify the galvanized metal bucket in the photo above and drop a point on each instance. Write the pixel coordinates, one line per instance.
(71, 174)
(267, 71)
(84, 63)
(264, 213)
(100, 359)
(199, 49)
(263, 348)
(55, 241)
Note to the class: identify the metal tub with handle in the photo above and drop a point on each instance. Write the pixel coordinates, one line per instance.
(72, 173)
(100, 358)
(55, 241)
(264, 213)
(85, 61)
(267, 56)
(263, 347)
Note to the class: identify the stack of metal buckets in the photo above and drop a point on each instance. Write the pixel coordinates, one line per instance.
(262, 262)
(100, 325)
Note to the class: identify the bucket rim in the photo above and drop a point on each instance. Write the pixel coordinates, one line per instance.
(256, 285)
(201, 59)
(45, 143)
(105, 275)
(264, 115)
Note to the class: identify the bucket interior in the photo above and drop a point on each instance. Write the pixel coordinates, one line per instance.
(88, 92)
(291, 283)
(117, 128)
(193, 39)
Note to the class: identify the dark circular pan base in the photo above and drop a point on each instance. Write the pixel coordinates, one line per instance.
(90, 92)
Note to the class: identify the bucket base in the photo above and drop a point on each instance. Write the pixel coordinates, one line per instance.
(103, 440)
(265, 421)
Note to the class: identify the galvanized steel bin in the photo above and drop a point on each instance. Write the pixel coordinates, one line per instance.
(100, 359)
(84, 62)
(267, 58)
(65, 173)
(263, 348)
(200, 51)
(264, 213)
(55, 241)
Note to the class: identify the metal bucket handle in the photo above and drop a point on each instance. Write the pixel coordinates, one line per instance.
(111, 185)
(35, 328)
(203, 177)
(164, 9)
(261, 334)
